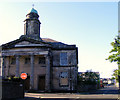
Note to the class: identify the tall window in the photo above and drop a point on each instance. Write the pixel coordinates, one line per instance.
(63, 58)
(13, 61)
(41, 60)
(27, 60)
(64, 79)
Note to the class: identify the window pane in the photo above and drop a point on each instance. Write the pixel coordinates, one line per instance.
(41, 60)
(27, 60)
(13, 60)
(64, 79)
(63, 58)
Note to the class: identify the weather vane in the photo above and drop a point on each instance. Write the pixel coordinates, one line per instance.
(33, 5)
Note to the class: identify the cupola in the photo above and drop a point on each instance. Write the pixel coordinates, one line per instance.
(33, 11)
(32, 24)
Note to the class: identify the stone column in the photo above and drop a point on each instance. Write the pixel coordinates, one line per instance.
(3, 66)
(32, 72)
(47, 83)
(17, 66)
(7, 66)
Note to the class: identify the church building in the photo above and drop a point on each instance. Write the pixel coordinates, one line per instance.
(50, 65)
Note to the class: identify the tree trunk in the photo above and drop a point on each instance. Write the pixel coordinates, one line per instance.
(119, 82)
(119, 74)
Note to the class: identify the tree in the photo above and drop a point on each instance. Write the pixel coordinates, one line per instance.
(115, 56)
(93, 76)
(88, 77)
(115, 75)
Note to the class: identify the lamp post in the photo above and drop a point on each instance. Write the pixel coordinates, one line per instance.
(70, 77)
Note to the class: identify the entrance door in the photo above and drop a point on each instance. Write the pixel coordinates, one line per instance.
(27, 83)
(41, 83)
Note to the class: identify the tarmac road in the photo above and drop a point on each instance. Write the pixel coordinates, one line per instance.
(106, 90)
(107, 93)
(63, 99)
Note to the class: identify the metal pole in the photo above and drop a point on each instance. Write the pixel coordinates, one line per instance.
(70, 81)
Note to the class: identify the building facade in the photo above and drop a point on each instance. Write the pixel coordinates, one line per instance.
(49, 64)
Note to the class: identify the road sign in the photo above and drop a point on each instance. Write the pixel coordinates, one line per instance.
(23, 76)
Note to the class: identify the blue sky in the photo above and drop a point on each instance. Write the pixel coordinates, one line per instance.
(92, 26)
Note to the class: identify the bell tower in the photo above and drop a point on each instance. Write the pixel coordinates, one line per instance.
(32, 25)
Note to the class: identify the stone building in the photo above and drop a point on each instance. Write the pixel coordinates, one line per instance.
(49, 64)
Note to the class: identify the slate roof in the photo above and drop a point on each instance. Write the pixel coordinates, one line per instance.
(58, 45)
(48, 40)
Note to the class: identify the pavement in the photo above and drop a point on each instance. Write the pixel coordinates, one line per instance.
(106, 90)
(106, 93)
(73, 96)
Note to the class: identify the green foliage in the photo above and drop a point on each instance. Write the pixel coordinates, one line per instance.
(88, 78)
(115, 74)
(115, 51)
(114, 57)
(14, 79)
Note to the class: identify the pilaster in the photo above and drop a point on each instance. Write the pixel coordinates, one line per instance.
(32, 72)
(17, 66)
(3, 66)
(47, 83)
(7, 66)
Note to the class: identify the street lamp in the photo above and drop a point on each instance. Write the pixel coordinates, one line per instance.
(70, 77)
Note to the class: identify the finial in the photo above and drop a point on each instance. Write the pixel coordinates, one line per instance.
(33, 5)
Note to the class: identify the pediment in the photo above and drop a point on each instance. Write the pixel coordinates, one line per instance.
(28, 44)
(25, 42)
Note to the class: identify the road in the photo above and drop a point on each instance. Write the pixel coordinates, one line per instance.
(106, 93)
(106, 90)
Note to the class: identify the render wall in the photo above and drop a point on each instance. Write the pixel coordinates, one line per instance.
(39, 69)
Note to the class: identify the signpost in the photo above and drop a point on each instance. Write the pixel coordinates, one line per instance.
(23, 76)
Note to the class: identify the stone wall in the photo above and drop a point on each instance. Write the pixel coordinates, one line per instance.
(86, 88)
(71, 79)
(12, 90)
(71, 57)
(40, 69)
(70, 68)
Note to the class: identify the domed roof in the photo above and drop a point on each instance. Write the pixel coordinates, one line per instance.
(33, 11)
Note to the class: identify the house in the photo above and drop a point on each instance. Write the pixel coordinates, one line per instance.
(50, 65)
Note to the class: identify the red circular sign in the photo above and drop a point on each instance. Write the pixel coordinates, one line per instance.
(23, 76)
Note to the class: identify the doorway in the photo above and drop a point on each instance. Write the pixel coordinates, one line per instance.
(41, 83)
(27, 83)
